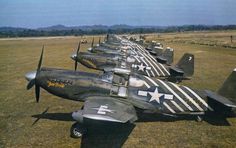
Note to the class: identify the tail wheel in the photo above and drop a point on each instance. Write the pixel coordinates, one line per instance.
(199, 118)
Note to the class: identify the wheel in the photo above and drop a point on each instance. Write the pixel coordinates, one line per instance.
(77, 130)
(199, 119)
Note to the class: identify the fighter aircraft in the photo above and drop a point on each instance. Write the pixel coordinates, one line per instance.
(132, 59)
(155, 49)
(117, 97)
(163, 57)
(104, 48)
(166, 57)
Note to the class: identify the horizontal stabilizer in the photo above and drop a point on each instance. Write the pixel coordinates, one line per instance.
(220, 99)
(153, 53)
(148, 49)
(161, 59)
(177, 71)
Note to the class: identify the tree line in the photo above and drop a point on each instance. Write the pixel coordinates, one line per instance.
(23, 32)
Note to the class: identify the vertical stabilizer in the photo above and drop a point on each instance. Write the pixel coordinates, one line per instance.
(228, 89)
(186, 64)
(169, 55)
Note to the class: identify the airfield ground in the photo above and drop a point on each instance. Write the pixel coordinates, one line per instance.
(214, 62)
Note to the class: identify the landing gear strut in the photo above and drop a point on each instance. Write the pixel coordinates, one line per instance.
(77, 130)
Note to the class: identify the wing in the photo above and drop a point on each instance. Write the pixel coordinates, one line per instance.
(109, 109)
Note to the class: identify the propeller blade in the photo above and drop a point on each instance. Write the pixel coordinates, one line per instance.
(31, 84)
(40, 61)
(77, 52)
(37, 92)
(39, 117)
(107, 37)
(76, 64)
(32, 78)
(92, 42)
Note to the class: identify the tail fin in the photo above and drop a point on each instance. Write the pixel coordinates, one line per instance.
(158, 50)
(169, 55)
(228, 89)
(166, 57)
(186, 64)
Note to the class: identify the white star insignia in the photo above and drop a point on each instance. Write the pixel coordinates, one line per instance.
(155, 96)
(141, 67)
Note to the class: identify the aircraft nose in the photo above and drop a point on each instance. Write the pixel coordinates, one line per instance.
(73, 56)
(30, 75)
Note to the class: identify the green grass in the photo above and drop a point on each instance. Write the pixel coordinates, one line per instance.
(17, 105)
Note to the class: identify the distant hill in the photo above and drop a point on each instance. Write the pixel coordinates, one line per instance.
(55, 27)
(61, 30)
(96, 27)
(85, 28)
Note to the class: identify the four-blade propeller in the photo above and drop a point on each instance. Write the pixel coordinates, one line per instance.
(32, 78)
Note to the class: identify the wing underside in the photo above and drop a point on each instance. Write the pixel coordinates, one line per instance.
(108, 109)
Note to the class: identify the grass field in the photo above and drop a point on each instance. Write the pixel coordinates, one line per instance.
(209, 38)
(17, 105)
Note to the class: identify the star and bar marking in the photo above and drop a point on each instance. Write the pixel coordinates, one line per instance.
(155, 96)
(141, 67)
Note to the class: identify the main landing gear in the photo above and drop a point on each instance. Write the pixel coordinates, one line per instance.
(77, 130)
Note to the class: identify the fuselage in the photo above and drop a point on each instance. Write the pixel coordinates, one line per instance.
(98, 61)
(104, 49)
(143, 92)
(131, 58)
(126, 60)
(72, 85)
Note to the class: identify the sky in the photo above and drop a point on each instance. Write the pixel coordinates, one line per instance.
(43, 13)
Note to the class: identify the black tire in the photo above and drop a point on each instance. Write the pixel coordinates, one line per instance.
(77, 130)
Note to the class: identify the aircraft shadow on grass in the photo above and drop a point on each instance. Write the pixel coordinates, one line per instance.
(104, 134)
(216, 120)
(107, 134)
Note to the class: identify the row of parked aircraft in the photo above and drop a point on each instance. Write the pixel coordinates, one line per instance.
(135, 80)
